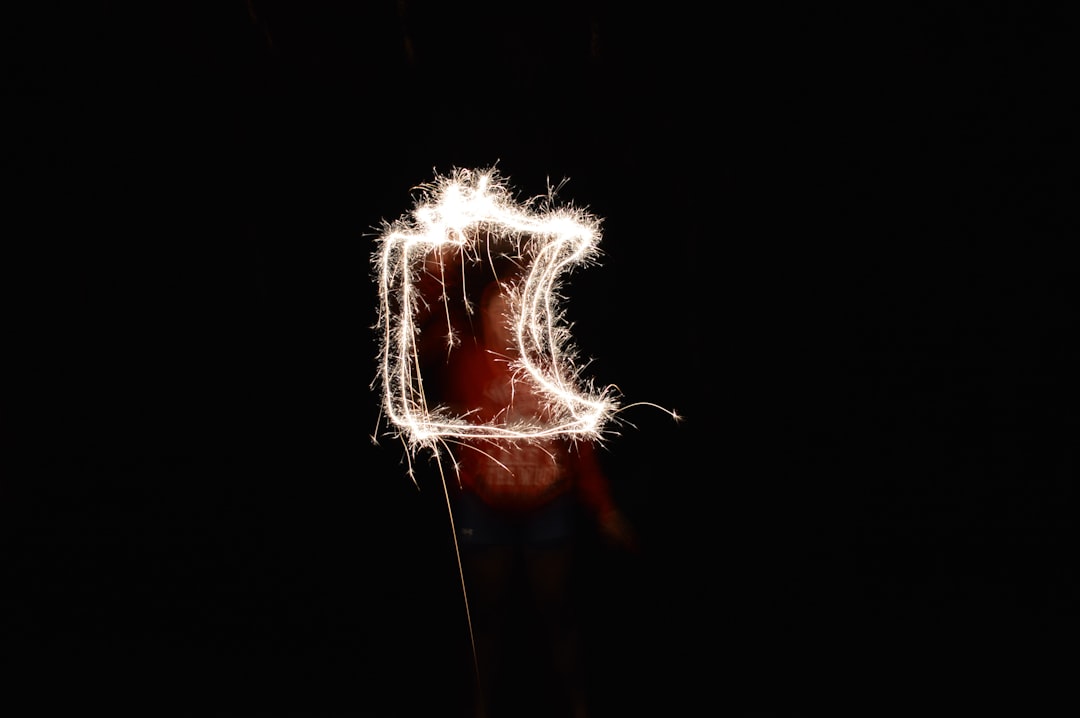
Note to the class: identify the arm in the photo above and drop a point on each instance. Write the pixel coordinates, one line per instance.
(594, 490)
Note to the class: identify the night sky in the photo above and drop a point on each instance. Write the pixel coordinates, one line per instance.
(830, 243)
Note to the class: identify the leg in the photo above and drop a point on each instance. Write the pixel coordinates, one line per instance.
(549, 575)
(488, 572)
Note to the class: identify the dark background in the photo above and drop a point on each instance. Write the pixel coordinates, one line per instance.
(831, 243)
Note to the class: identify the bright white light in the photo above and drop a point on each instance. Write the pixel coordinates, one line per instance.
(470, 212)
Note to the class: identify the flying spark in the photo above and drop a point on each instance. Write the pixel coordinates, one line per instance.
(472, 215)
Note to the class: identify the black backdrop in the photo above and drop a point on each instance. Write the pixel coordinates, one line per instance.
(825, 245)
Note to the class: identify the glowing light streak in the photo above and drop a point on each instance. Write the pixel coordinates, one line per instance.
(469, 212)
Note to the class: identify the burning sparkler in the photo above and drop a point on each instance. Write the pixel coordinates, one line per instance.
(474, 214)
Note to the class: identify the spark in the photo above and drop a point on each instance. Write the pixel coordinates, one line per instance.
(472, 212)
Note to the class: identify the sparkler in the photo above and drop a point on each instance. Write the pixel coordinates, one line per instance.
(471, 212)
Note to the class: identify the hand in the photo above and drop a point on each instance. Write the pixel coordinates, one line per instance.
(617, 531)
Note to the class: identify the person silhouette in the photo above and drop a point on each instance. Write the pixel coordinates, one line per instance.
(518, 507)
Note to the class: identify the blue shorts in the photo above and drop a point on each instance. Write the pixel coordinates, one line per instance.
(480, 525)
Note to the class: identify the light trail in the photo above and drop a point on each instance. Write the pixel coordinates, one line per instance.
(463, 213)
